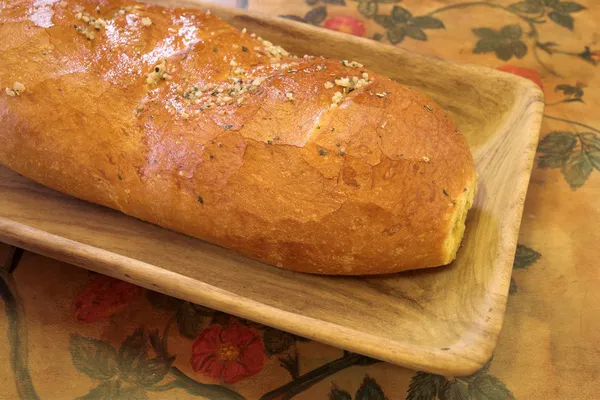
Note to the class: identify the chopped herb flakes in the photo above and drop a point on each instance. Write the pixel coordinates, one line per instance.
(269, 142)
(322, 152)
(446, 193)
(244, 48)
(215, 49)
(428, 107)
(120, 178)
(200, 200)
(352, 64)
(228, 127)
(336, 99)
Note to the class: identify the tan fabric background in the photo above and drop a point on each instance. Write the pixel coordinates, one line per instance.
(550, 344)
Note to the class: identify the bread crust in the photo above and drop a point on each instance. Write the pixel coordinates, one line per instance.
(376, 184)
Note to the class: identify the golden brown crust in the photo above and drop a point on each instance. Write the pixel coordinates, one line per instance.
(374, 185)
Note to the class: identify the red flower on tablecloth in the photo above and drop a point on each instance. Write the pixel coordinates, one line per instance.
(353, 26)
(103, 297)
(530, 74)
(228, 354)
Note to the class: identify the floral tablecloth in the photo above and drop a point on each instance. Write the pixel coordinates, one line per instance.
(68, 333)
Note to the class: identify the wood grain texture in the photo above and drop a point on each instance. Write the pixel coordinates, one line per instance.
(444, 320)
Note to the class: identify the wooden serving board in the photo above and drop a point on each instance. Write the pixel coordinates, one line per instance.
(444, 320)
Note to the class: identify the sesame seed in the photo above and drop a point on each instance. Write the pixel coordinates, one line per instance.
(146, 21)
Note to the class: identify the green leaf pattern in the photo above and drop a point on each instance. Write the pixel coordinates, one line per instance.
(125, 374)
(525, 257)
(94, 358)
(506, 43)
(369, 390)
(114, 390)
(401, 24)
(425, 386)
(316, 16)
(571, 93)
(338, 394)
(479, 386)
(576, 154)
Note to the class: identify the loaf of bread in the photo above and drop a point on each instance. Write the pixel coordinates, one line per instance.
(176, 118)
